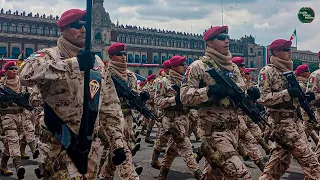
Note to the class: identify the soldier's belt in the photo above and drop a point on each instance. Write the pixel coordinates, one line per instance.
(171, 113)
(11, 111)
(218, 126)
(281, 115)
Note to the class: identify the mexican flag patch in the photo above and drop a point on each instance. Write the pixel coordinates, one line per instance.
(311, 80)
(262, 77)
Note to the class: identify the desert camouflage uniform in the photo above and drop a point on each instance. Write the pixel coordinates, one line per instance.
(176, 125)
(314, 85)
(283, 110)
(11, 122)
(149, 123)
(219, 121)
(126, 169)
(60, 82)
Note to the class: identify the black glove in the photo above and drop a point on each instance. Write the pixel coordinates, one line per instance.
(293, 92)
(144, 96)
(86, 60)
(25, 95)
(119, 156)
(253, 93)
(310, 96)
(217, 91)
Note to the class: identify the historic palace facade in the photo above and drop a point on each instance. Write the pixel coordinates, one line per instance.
(147, 48)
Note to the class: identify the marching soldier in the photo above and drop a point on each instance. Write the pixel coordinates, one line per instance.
(11, 122)
(161, 138)
(175, 120)
(2, 73)
(302, 73)
(283, 106)
(118, 68)
(58, 73)
(217, 114)
(149, 123)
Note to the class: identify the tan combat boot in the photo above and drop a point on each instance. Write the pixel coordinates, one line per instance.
(4, 166)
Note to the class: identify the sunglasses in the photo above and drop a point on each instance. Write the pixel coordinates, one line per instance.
(286, 49)
(121, 53)
(242, 65)
(12, 68)
(77, 25)
(222, 37)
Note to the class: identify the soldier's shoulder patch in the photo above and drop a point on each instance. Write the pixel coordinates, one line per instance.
(262, 80)
(37, 54)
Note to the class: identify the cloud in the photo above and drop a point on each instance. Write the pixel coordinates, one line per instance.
(266, 20)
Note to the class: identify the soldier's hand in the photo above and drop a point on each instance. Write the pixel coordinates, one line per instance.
(310, 96)
(119, 156)
(294, 92)
(217, 91)
(253, 93)
(144, 96)
(86, 60)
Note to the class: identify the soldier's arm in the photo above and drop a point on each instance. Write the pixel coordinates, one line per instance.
(315, 86)
(191, 94)
(44, 68)
(267, 97)
(160, 99)
(110, 115)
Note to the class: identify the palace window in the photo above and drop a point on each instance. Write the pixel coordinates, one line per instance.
(13, 28)
(3, 52)
(4, 27)
(163, 58)
(15, 52)
(34, 30)
(40, 30)
(144, 58)
(137, 58)
(155, 59)
(29, 51)
(19, 29)
(130, 58)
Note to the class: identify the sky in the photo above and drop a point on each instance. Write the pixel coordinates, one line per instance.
(266, 20)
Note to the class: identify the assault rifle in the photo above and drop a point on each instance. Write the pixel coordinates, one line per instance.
(237, 96)
(132, 99)
(19, 99)
(304, 103)
(177, 89)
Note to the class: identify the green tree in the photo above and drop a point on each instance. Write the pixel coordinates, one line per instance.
(313, 67)
(296, 63)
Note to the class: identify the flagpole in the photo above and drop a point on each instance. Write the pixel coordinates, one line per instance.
(296, 40)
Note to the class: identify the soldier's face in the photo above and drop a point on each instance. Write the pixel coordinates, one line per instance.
(305, 74)
(220, 43)
(284, 54)
(12, 72)
(180, 69)
(166, 70)
(75, 33)
(119, 57)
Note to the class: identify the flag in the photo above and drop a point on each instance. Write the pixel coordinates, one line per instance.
(294, 35)
(20, 59)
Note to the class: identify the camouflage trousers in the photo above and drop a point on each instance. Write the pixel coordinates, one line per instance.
(280, 160)
(128, 130)
(248, 141)
(28, 127)
(56, 164)
(126, 169)
(13, 129)
(229, 166)
(179, 143)
(194, 124)
(161, 138)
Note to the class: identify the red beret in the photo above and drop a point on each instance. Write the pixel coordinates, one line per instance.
(160, 72)
(152, 76)
(2, 73)
(319, 54)
(302, 68)
(280, 44)
(166, 64)
(9, 64)
(141, 83)
(70, 16)
(238, 60)
(214, 31)
(116, 47)
(246, 70)
(177, 61)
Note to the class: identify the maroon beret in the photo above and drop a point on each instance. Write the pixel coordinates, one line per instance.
(214, 31)
(70, 16)
(160, 72)
(177, 61)
(238, 60)
(302, 68)
(280, 44)
(166, 64)
(246, 70)
(319, 54)
(116, 47)
(2, 72)
(141, 83)
(152, 76)
(9, 64)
